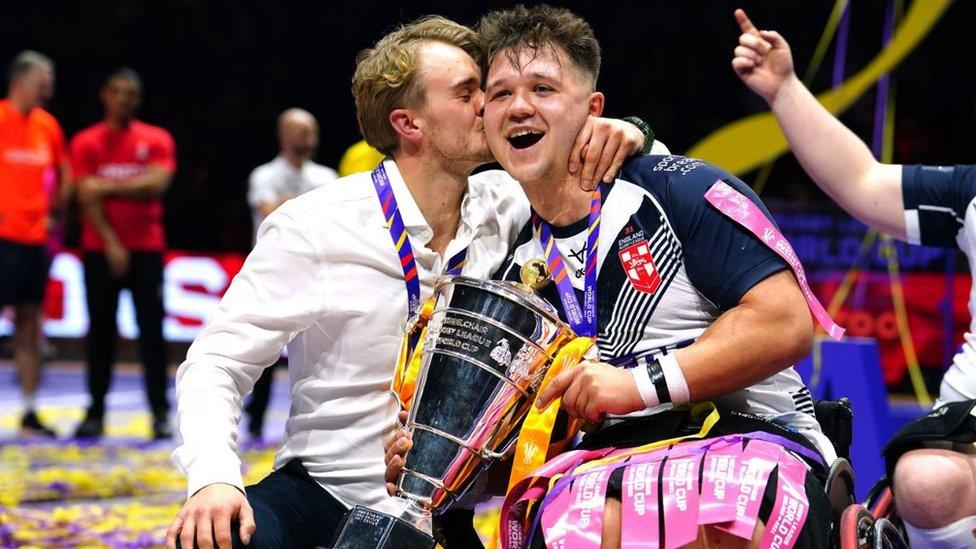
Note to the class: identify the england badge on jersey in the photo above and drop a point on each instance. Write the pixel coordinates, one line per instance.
(639, 266)
(142, 151)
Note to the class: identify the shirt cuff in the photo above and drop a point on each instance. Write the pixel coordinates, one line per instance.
(216, 467)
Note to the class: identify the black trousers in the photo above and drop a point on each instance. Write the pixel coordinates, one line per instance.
(292, 511)
(145, 281)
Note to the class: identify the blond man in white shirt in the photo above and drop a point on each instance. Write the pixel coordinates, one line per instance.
(326, 279)
(290, 174)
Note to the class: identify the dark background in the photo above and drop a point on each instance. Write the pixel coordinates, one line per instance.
(218, 73)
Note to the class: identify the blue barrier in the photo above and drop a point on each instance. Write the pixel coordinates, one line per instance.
(852, 368)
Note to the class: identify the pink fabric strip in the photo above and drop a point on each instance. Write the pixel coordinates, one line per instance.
(679, 490)
(555, 521)
(587, 498)
(756, 463)
(532, 488)
(720, 484)
(639, 509)
(744, 212)
(791, 507)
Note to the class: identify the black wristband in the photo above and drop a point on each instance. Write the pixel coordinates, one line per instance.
(656, 374)
(645, 128)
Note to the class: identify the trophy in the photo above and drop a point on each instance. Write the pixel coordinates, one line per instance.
(487, 348)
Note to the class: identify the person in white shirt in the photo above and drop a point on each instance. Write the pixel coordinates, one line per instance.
(930, 461)
(326, 279)
(290, 174)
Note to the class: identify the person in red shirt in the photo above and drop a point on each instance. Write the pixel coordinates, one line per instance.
(32, 162)
(123, 167)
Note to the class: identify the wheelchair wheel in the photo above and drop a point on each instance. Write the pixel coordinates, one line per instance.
(882, 505)
(887, 536)
(856, 524)
(880, 498)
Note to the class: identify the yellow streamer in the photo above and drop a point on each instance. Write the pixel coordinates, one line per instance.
(901, 317)
(533, 440)
(746, 144)
(828, 35)
(408, 368)
(707, 409)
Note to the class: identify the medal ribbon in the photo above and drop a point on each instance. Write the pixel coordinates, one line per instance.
(582, 320)
(408, 365)
(398, 233)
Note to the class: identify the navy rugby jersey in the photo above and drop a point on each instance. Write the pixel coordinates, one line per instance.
(669, 264)
(940, 210)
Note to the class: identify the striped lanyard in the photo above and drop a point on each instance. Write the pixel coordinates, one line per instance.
(394, 222)
(582, 320)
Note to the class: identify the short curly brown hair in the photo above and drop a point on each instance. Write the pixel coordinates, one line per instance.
(386, 74)
(537, 27)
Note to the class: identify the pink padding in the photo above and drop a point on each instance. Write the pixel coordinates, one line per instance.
(679, 491)
(555, 521)
(720, 483)
(588, 496)
(791, 507)
(755, 465)
(639, 510)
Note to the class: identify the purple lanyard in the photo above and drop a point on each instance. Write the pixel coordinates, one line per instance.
(391, 212)
(582, 320)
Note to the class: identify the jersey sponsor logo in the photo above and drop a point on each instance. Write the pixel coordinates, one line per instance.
(38, 156)
(681, 164)
(120, 171)
(580, 257)
(639, 266)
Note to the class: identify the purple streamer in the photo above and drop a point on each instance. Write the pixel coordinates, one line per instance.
(840, 51)
(881, 102)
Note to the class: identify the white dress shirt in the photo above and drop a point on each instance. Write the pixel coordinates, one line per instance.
(325, 279)
(279, 180)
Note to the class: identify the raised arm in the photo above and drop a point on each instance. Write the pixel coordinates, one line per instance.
(836, 159)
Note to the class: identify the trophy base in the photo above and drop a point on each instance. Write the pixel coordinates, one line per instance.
(364, 528)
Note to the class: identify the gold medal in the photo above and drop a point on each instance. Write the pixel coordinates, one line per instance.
(535, 273)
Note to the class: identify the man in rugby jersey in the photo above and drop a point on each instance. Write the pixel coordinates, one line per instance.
(930, 461)
(685, 304)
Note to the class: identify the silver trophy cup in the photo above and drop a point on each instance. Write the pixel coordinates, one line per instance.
(488, 347)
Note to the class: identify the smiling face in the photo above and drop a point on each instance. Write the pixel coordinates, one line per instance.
(450, 114)
(535, 105)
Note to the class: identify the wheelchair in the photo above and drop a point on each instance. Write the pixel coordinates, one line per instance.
(872, 524)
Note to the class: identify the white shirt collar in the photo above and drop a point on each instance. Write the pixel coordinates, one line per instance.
(409, 211)
(472, 207)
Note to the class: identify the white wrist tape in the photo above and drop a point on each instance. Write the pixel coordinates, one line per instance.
(661, 381)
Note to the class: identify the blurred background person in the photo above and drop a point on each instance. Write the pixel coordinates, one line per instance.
(32, 161)
(290, 174)
(123, 167)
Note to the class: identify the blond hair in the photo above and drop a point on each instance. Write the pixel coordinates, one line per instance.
(386, 74)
